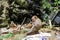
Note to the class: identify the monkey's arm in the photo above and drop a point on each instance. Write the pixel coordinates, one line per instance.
(31, 30)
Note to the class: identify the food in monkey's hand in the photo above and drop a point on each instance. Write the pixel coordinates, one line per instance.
(29, 25)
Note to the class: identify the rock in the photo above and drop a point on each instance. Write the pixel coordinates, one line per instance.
(45, 30)
(58, 35)
(4, 30)
(41, 36)
(56, 28)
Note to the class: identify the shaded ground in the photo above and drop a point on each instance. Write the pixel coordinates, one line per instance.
(20, 36)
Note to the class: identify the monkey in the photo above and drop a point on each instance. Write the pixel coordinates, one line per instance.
(36, 25)
(12, 24)
(13, 27)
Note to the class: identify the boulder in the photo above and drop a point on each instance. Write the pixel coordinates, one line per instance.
(41, 36)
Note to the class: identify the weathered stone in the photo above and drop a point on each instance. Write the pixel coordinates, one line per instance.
(41, 36)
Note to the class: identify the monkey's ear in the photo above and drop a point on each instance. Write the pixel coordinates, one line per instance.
(35, 17)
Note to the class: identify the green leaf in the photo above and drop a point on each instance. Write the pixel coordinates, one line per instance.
(58, 2)
(44, 6)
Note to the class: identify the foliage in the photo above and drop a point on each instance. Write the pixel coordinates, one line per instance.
(9, 35)
(4, 13)
(16, 9)
(19, 36)
(22, 2)
(46, 4)
(49, 9)
(57, 2)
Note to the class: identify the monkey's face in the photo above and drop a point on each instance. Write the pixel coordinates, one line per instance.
(33, 19)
